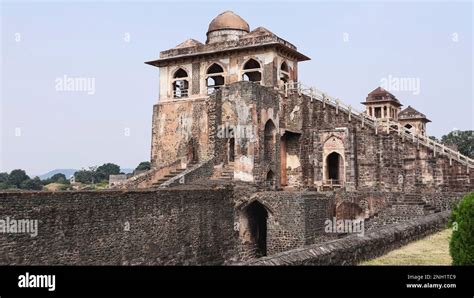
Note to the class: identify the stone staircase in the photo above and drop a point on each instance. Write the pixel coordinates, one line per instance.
(172, 174)
(392, 214)
(227, 172)
(377, 124)
(416, 201)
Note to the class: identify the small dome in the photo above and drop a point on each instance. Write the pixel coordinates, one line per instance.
(228, 20)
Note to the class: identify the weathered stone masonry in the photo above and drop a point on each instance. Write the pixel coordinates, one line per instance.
(219, 196)
(166, 227)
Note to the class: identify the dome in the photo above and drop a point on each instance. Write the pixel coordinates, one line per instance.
(228, 20)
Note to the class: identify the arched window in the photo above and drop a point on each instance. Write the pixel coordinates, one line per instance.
(214, 78)
(284, 73)
(252, 71)
(180, 83)
(408, 128)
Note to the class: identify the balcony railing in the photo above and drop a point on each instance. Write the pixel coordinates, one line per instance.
(179, 93)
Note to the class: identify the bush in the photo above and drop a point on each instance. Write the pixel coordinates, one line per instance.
(461, 246)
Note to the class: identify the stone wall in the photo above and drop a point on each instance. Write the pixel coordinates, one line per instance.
(179, 132)
(373, 159)
(166, 227)
(353, 249)
(295, 218)
(246, 107)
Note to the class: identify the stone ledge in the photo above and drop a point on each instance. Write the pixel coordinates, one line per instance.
(353, 249)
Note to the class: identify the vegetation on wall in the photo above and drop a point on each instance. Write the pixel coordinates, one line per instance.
(461, 246)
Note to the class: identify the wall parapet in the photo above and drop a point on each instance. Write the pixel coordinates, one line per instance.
(354, 249)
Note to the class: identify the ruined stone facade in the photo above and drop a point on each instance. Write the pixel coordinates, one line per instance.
(247, 162)
(235, 102)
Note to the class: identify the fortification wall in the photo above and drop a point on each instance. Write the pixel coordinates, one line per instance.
(353, 249)
(193, 226)
(190, 224)
(373, 159)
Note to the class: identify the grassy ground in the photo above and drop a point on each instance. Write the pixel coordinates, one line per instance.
(431, 250)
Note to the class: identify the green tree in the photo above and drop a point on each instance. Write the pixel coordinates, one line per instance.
(3, 177)
(104, 171)
(16, 177)
(461, 245)
(464, 140)
(32, 184)
(56, 178)
(85, 176)
(143, 166)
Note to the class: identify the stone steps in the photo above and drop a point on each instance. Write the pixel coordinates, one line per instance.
(172, 174)
(227, 173)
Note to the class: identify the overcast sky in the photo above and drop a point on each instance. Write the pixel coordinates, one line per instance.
(353, 46)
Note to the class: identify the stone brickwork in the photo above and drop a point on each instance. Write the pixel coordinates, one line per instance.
(204, 223)
(193, 226)
(353, 249)
(372, 159)
(294, 218)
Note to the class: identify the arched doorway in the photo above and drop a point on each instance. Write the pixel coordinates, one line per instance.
(231, 146)
(254, 229)
(335, 168)
(270, 179)
(289, 157)
(269, 141)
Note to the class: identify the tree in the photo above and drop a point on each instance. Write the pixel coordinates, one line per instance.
(461, 245)
(58, 178)
(32, 184)
(104, 171)
(464, 140)
(84, 176)
(3, 177)
(143, 166)
(16, 177)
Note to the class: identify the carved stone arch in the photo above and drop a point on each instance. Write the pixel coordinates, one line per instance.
(284, 73)
(334, 161)
(253, 226)
(252, 72)
(180, 82)
(215, 76)
(348, 210)
(243, 205)
(178, 68)
(331, 137)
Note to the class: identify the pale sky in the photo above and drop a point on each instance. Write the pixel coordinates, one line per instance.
(354, 46)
